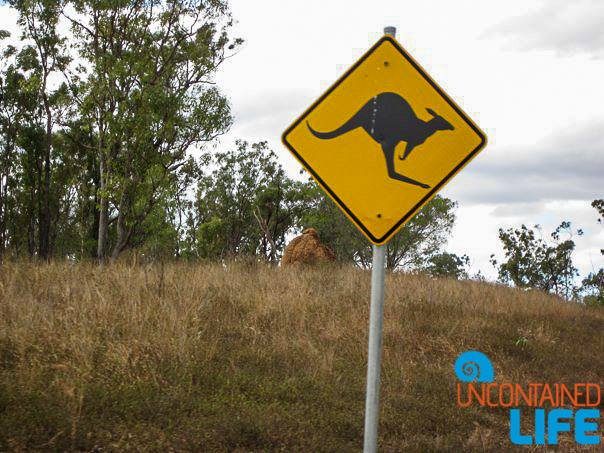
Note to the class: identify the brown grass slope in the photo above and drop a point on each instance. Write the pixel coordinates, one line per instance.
(249, 358)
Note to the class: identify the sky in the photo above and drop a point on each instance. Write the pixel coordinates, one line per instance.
(528, 72)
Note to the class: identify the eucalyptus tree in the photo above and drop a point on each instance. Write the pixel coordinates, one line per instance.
(534, 262)
(29, 112)
(45, 57)
(148, 92)
(10, 116)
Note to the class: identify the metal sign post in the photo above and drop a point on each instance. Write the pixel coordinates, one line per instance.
(374, 350)
(376, 314)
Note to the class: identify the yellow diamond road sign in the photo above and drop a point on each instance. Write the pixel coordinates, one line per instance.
(383, 140)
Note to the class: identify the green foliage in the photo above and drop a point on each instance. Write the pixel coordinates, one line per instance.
(448, 265)
(411, 248)
(246, 206)
(423, 236)
(334, 228)
(593, 284)
(534, 263)
(148, 93)
(93, 163)
(22, 153)
(522, 341)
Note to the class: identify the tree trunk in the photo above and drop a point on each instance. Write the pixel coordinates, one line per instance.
(45, 214)
(2, 216)
(94, 205)
(267, 235)
(122, 235)
(93, 234)
(31, 238)
(103, 205)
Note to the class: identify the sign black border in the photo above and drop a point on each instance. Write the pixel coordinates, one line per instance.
(383, 239)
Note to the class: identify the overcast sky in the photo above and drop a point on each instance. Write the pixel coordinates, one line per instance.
(528, 72)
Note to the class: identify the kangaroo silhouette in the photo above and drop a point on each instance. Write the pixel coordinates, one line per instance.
(389, 120)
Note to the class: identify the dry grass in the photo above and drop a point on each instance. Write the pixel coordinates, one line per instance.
(248, 358)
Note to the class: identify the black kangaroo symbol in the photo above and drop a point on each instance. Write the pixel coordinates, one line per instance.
(389, 119)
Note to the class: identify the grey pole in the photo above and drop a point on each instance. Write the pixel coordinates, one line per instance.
(390, 31)
(376, 312)
(376, 315)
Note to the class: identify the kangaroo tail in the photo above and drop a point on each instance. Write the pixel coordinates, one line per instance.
(351, 124)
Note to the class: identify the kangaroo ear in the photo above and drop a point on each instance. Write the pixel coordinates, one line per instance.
(432, 112)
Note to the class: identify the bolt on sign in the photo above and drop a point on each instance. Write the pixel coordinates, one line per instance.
(383, 140)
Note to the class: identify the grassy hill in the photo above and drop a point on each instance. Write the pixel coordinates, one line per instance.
(248, 358)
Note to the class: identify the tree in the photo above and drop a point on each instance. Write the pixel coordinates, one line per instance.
(593, 288)
(80, 222)
(11, 110)
(423, 236)
(593, 284)
(39, 20)
(148, 94)
(534, 263)
(411, 248)
(28, 200)
(448, 265)
(246, 206)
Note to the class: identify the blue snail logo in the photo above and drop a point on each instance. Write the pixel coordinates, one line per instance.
(474, 365)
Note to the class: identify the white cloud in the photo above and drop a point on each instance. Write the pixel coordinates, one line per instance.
(564, 166)
(566, 27)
